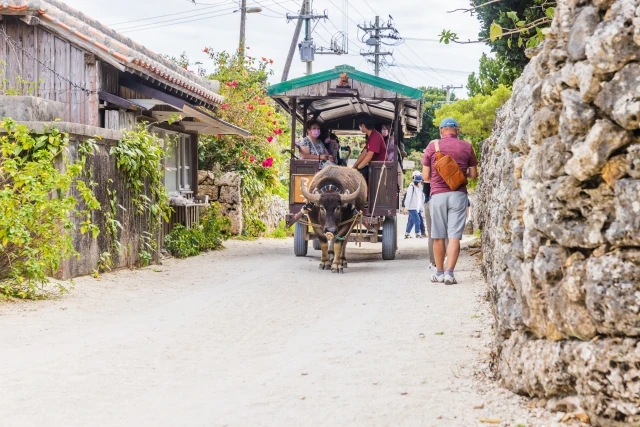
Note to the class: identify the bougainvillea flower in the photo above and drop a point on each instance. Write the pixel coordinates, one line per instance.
(244, 152)
(270, 139)
(278, 131)
(271, 61)
(250, 107)
(232, 84)
(224, 106)
(205, 50)
(268, 163)
(268, 113)
(252, 159)
(275, 123)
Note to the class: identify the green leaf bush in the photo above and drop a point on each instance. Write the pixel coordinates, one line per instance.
(37, 183)
(210, 234)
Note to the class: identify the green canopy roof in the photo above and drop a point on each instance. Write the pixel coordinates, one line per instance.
(378, 82)
(318, 96)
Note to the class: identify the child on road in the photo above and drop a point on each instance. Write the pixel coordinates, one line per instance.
(415, 203)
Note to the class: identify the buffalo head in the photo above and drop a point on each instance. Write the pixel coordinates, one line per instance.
(331, 206)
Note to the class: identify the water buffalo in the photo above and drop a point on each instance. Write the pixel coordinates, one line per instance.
(337, 193)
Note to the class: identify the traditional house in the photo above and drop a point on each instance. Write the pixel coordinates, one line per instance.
(99, 82)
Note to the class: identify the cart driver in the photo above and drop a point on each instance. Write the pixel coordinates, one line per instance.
(375, 149)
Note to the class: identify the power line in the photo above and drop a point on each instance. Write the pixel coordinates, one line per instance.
(168, 14)
(181, 20)
(135, 29)
(422, 60)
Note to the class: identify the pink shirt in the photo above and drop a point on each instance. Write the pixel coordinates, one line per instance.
(461, 151)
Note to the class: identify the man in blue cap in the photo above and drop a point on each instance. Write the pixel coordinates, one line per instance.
(448, 207)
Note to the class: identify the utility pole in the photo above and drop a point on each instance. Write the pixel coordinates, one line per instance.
(450, 90)
(377, 49)
(308, 40)
(243, 24)
(307, 47)
(294, 43)
(377, 33)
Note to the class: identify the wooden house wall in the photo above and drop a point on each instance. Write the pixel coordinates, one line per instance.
(37, 55)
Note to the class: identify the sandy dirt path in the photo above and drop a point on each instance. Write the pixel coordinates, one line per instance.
(254, 336)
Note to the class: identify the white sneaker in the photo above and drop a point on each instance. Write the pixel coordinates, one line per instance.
(450, 280)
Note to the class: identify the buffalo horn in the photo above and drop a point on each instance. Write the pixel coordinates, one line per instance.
(350, 198)
(313, 198)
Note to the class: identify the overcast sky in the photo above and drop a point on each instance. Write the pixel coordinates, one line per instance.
(174, 26)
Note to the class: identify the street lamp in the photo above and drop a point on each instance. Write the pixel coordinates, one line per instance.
(243, 20)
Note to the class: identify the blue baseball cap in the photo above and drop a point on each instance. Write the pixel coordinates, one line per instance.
(418, 178)
(449, 123)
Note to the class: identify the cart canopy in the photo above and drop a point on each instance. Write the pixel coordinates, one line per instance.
(336, 98)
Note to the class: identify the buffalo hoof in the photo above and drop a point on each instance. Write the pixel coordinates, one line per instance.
(321, 267)
(344, 264)
(341, 270)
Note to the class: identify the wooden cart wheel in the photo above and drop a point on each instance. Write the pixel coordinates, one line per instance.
(389, 239)
(300, 244)
(316, 245)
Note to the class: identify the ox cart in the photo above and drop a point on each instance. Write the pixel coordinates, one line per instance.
(336, 99)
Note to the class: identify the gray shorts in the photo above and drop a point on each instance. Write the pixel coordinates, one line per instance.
(448, 214)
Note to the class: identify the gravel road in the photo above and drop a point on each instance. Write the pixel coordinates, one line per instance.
(253, 336)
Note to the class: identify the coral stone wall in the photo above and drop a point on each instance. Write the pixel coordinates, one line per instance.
(559, 209)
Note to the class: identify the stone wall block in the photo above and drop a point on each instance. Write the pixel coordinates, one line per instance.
(588, 81)
(625, 230)
(611, 46)
(615, 169)
(570, 318)
(545, 123)
(209, 190)
(612, 290)
(582, 29)
(620, 98)
(633, 160)
(235, 216)
(591, 155)
(229, 179)
(230, 195)
(577, 117)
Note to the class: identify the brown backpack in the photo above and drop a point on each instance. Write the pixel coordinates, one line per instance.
(449, 170)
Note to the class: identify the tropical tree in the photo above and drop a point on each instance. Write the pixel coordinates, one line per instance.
(433, 98)
(508, 26)
(493, 73)
(475, 115)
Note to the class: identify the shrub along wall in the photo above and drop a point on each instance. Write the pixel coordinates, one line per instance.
(560, 217)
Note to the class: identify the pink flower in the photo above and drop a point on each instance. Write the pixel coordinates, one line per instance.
(268, 163)
(269, 113)
(275, 123)
(270, 139)
(224, 106)
(264, 59)
(250, 107)
(252, 159)
(278, 131)
(205, 50)
(232, 84)
(244, 152)
(271, 61)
